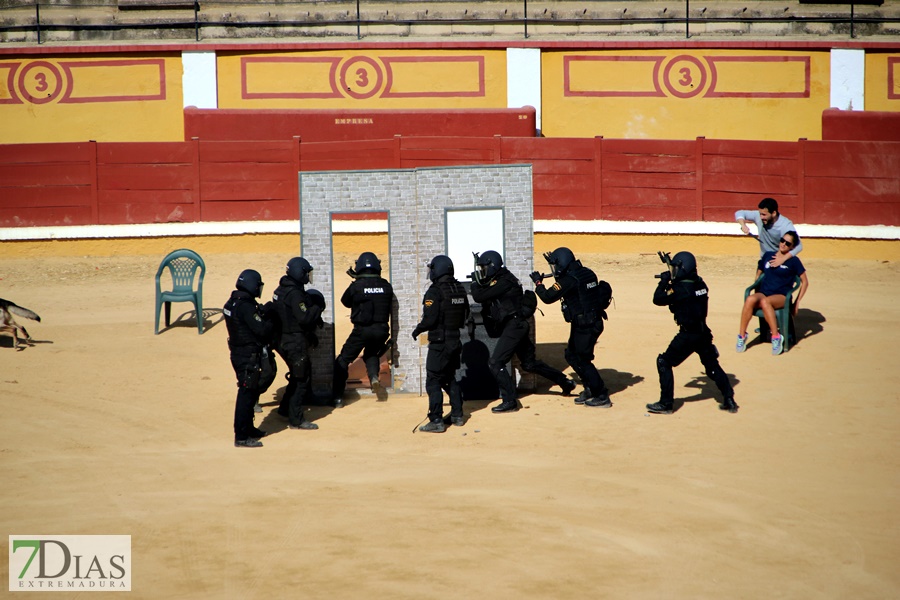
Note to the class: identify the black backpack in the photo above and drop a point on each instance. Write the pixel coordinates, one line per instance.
(529, 304)
(604, 297)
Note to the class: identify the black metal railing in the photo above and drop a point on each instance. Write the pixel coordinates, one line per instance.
(239, 18)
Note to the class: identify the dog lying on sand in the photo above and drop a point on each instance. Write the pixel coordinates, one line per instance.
(8, 323)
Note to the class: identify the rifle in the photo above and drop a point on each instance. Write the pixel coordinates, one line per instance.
(666, 260)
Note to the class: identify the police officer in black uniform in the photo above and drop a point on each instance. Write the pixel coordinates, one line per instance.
(299, 315)
(248, 332)
(370, 299)
(500, 295)
(687, 296)
(576, 286)
(445, 310)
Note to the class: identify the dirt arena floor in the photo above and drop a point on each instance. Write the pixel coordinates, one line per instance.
(110, 429)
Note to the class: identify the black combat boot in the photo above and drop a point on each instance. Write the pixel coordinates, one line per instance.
(505, 407)
(729, 404)
(660, 408)
(433, 427)
(601, 401)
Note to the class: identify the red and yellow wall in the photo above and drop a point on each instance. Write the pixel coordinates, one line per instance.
(72, 98)
(679, 94)
(773, 92)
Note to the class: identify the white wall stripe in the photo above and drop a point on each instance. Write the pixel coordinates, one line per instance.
(869, 232)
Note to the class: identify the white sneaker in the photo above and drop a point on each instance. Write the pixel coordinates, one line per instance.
(777, 345)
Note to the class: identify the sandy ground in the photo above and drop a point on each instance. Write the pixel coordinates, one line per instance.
(109, 429)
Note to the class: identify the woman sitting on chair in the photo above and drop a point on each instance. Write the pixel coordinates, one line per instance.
(772, 290)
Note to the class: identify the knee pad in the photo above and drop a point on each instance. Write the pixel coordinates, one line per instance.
(300, 369)
(495, 368)
(570, 356)
(342, 363)
(662, 365)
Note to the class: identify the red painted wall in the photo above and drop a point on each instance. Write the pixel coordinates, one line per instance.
(821, 182)
(345, 125)
(860, 125)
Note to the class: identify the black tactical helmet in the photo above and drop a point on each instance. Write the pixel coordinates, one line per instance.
(439, 266)
(316, 298)
(685, 265)
(251, 282)
(298, 269)
(368, 263)
(560, 260)
(489, 264)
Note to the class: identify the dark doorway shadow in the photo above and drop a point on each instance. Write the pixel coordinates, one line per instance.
(477, 383)
(706, 390)
(211, 318)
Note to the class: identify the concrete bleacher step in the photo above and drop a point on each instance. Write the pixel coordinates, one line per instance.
(154, 4)
(146, 20)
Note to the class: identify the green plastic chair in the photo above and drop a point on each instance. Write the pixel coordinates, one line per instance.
(183, 266)
(782, 315)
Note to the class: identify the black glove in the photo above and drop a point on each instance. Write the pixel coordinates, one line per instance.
(313, 340)
(664, 277)
(416, 333)
(473, 276)
(536, 277)
(320, 323)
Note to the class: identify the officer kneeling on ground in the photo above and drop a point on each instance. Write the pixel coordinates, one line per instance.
(370, 299)
(581, 296)
(299, 315)
(248, 333)
(687, 296)
(500, 295)
(445, 309)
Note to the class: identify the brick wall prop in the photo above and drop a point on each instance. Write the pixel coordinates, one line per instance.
(416, 201)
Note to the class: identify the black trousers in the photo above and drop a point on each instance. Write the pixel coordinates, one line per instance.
(368, 339)
(682, 346)
(515, 339)
(580, 356)
(246, 365)
(441, 365)
(294, 351)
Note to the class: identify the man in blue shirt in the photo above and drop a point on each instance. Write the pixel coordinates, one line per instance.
(771, 225)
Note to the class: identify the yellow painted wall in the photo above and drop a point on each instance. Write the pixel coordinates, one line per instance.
(681, 94)
(882, 81)
(397, 79)
(106, 98)
(288, 244)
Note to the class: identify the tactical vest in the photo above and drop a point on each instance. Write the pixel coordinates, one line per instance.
(580, 305)
(239, 334)
(690, 312)
(453, 305)
(509, 304)
(372, 301)
(284, 297)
